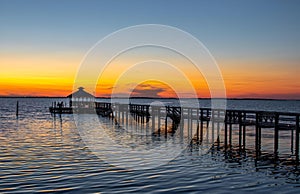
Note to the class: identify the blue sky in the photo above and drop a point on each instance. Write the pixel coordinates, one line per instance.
(228, 28)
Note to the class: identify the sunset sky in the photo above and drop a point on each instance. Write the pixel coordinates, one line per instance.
(255, 43)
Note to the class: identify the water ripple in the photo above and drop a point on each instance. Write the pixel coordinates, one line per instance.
(40, 153)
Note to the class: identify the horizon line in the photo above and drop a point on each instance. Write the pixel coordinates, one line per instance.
(205, 98)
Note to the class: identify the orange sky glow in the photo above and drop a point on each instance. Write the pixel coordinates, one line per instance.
(50, 76)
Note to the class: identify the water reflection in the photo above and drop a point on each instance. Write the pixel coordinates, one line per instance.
(42, 153)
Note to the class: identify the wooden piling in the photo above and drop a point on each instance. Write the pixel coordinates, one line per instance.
(207, 124)
(218, 128)
(256, 135)
(153, 118)
(213, 126)
(197, 126)
(230, 129)
(292, 140)
(201, 125)
(226, 130)
(166, 126)
(297, 140)
(189, 122)
(159, 119)
(240, 130)
(127, 115)
(244, 137)
(276, 136)
(17, 109)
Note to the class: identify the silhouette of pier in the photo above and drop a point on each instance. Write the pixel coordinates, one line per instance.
(226, 129)
(235, 131)
(221, 127)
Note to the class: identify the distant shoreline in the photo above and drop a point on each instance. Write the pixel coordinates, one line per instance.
(271, 99)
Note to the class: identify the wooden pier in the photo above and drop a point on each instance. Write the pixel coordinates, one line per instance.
(226, 123)
(229, 129)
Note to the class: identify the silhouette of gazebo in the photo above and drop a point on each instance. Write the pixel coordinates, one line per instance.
(81, 99)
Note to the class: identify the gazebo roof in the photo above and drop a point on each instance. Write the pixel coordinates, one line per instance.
(80, 94)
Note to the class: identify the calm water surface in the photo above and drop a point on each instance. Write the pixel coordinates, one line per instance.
(40, 153)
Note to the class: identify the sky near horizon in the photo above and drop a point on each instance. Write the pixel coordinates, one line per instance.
(255, 43)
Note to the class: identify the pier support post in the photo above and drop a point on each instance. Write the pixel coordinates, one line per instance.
(17, 110)
(244, 137)
(207, 124)
(225, 130)
(230, 129)
(240, 130)
(213, 126)
(244, 116)
(297, 140)
(127, 116)
(188, 122)
(201, 125)
(292, 140)
(276, 136)
(158, 119)
(153, 118)
(218, 129)
(119, 113)
(197, 132)
(257, 126)
(123, 110)
(166, 126)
